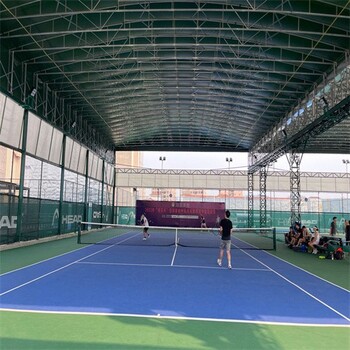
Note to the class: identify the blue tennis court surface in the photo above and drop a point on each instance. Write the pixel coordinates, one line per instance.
(175, 281)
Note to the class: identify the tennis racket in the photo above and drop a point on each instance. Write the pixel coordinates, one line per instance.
(215, 231)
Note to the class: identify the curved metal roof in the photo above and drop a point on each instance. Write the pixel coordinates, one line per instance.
(176, 75)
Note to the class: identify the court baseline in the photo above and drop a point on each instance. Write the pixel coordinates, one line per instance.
(11, 283)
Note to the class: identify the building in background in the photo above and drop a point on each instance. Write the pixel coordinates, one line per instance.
(124, 159)
(10, 165)
(132, 159)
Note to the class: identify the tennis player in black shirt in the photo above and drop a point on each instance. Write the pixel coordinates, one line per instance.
(225, 232)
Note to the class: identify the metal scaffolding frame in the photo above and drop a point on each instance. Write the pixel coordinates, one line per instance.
(294, 160)
(262, 199)
(295, 133)
(147, 75)
(311, 125)
(250, 199)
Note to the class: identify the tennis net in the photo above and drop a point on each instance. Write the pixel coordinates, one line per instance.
(114, 234)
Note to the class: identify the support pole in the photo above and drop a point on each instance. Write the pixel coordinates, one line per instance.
(86, 188)
(60, 205)
(274, 238)
(103, 189)
(21, 177)
(113, 199)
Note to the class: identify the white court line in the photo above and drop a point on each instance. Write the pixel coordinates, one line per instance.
(172, 265)
(174, 255)
(54, 257)
(187, 318)
(62, 267)
(45, 260)
(298, 267)
(51, 272)
(221, 268)
(297, 286)
(310, 273)
(121, 264)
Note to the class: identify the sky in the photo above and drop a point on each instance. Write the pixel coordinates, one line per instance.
(214, 160)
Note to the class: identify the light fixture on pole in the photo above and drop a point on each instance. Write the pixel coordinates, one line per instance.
(29, 102)
(162, 159)
(346, 162)
(228, 160)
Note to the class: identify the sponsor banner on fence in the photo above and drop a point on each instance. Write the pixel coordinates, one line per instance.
(180, 214)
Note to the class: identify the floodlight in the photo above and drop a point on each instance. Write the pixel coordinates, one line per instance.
(33, 93)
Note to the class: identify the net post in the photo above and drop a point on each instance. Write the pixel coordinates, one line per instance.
(79, 233)
(176, 237)
(274, 238)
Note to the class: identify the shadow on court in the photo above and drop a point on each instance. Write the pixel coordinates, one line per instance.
(32, 331)
(39, 331)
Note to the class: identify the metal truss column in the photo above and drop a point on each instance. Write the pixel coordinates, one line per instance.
(250, 199)
(295, 198)
(263, 176)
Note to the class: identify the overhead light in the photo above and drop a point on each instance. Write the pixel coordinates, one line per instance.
(162, 159)
(229, 160)
(33, 93)
(29, 101)
(74, 125)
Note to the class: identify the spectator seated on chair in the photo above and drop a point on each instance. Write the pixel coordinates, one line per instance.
(296, 234)
(304, 237)
(315, 240)
(289, 236)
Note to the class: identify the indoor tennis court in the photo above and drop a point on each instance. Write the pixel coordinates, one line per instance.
(168, 114)
(175, 282)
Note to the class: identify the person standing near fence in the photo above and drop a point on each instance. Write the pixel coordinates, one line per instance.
(203, 223)
(347, 232)
(225, 232)
(333, 228)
